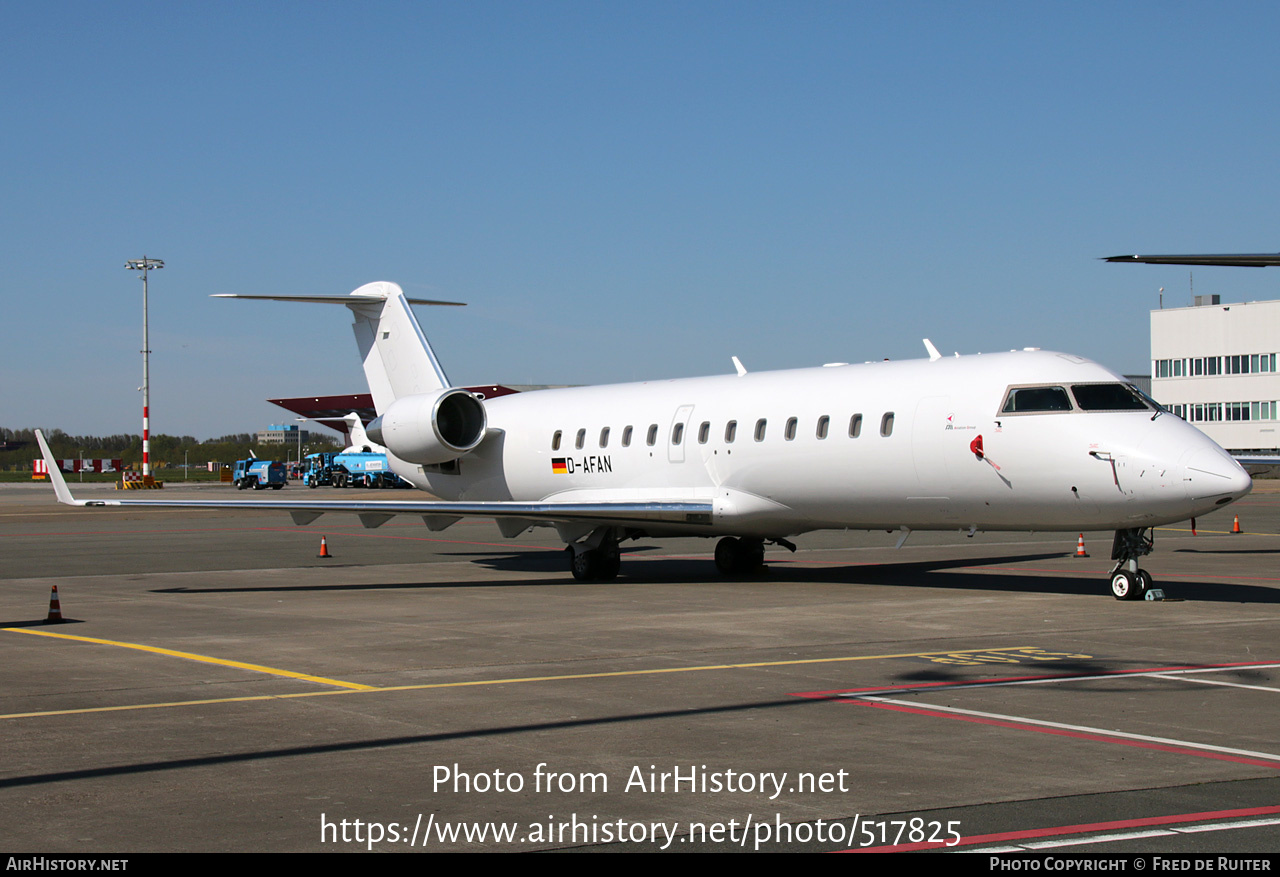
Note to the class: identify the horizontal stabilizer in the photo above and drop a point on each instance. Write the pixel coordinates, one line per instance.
(1238, 260)
(334, 299)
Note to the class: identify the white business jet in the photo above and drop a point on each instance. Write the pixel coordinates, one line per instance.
(1027, 440)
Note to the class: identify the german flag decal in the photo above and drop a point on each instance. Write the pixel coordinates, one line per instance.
(558, 466)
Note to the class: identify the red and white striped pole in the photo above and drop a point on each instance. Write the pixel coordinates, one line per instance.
(144, 265)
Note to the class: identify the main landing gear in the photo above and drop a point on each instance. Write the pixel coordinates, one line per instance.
(1127, 581)
(744, 555)
(594, 564)
(735, 557)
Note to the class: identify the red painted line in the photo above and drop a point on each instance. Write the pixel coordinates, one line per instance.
(1079, 735)
(1066, 830)
(836, 694)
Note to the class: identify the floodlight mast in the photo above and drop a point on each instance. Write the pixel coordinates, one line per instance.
(144, 265)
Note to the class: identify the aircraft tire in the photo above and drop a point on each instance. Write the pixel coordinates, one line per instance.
(610, 562)
(1127, 586)
(727, 556)
(736, 556)
(594, 564)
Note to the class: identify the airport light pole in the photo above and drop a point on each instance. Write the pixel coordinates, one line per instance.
(144, 265)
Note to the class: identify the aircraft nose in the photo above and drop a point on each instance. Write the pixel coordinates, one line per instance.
(1210, 472)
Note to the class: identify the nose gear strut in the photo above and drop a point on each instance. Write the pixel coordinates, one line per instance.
(1128, 582)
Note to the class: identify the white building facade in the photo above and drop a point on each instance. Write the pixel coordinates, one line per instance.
(1215, 365)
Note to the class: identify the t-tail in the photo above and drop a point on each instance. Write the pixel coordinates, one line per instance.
(422, 418)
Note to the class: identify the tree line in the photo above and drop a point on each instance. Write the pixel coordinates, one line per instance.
(164, 448)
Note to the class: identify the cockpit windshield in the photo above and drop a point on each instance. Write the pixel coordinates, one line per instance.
(1109, 397)
(1083, 397)
(1022, 400)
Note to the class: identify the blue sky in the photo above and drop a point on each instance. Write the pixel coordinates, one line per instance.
(620, 191)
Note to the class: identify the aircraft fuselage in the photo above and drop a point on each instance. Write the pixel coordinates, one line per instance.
(921, 444)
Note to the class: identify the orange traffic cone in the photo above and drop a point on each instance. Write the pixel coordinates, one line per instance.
(1235, 527)
(55, 608)
(324, 549)
(1193, 526)
(1080, 552)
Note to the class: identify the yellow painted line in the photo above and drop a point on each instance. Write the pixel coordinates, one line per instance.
(478, 682)
(239, 665)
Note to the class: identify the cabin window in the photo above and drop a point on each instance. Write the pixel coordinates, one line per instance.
(1108, 397)
(1027, 399)
(626, 436)
(886, 424)
(581, 440)
(790, 432)
(555, 441)
(824, 423)
(730, 431)
(604, 437)
(677, 433)
(760, 428)
(855, 426)
(652, 438)
(704, 432)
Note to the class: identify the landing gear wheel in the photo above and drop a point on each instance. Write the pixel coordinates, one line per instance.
(1122, 586)
(738, 556)
(610, 562)
(1126, 585)
(594, 564)
(727, 556)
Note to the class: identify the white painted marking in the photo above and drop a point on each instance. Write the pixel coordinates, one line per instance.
(1084, 729)
(1171, 678)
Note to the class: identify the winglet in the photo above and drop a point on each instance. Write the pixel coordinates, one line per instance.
(60, 488)
(738, 366)
(934, 355)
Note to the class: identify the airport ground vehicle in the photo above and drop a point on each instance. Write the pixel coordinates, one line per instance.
(350, 469)
(259, 474)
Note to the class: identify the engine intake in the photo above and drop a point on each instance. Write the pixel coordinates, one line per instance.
(431, 427)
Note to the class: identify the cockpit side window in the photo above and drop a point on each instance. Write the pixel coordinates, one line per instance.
(1108, 397)
(1026, 400)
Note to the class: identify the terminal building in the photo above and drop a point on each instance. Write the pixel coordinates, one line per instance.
(1215, 365)
(282, 434)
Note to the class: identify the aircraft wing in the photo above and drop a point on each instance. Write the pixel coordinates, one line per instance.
(1239, 260)
(374, 513)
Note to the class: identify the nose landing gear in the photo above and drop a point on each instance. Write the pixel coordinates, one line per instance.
(1128, 582)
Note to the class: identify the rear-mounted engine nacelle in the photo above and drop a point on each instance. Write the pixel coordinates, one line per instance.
(431, 427)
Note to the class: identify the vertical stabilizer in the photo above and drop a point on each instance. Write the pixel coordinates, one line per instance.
(398, 360)
(360, 440)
